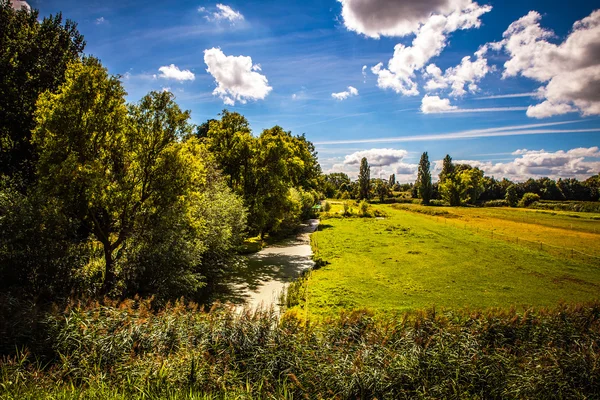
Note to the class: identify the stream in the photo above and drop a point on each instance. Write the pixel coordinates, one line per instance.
(259, 282)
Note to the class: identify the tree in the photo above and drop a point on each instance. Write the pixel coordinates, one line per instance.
(364, 179)
(424, 188)
(447, 168)
(511, 196)
(392, 180)
(33, 59)
(115, 170)
(382, 190)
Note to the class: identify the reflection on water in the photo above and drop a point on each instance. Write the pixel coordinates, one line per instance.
(260, 280)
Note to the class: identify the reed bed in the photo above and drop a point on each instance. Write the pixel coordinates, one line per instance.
(128, 350)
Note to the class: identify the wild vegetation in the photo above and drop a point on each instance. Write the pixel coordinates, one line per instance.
(411, 260)
(119, 220)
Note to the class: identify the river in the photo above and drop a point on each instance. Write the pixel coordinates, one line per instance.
(260, 280)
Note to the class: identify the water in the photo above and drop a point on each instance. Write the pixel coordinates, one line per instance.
(267, 273)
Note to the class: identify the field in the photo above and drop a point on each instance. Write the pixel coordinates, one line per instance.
(417, 257)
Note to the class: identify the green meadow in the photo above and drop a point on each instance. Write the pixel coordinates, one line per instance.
(412, 260)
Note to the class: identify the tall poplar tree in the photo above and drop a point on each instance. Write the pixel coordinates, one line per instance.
(424, 186)
(364, 179)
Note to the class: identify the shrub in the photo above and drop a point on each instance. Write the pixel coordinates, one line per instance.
(495, 203)
(326, 206)
(528, 199)
(364, 208)
(346, 207)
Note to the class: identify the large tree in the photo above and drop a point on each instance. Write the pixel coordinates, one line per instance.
(364, 179)
(423, 183)
(33, 59)
(113, 169)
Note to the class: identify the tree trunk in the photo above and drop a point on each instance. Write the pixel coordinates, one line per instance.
(109, 273)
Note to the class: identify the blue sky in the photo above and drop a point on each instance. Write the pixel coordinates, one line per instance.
(306, 54)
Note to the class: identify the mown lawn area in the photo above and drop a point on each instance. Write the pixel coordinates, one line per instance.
(411, 260)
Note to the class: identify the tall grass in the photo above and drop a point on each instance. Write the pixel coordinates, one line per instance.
(125, 350)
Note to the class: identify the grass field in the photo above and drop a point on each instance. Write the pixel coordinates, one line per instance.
(412, 260)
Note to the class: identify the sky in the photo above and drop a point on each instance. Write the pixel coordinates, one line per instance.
(512, 87)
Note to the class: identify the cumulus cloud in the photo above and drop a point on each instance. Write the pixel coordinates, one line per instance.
(223, 13)
(375, 18)
(570, 70)
(173, 72)
(430, 39)
(380, 157)
(352, 91)
(466, 74)
(433, 104)
(237, 78)
(575, 163)
(383, 163)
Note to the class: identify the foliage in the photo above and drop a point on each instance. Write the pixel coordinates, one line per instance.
(364, 208)
(495, 203)
(131, 352)
(382, 190)
(277, 174)
(511, 196)
(364, 180)
(34, 56)
(326, 206)
(528, 199)
(423, 183)
(575, 206)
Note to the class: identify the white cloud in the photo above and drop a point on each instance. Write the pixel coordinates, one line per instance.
(375, 18)
(173, 72)
(364, 73)
(431, 38)
(507, 96)
(352, 91)
(100, 21)
(571, 69)
(510, 130)
(380, 157)
(436, 105)
(223, 13)
(574, 163)
(467, 73)
(20, 5)
(383, 163)
(236, 77)
(433, 104)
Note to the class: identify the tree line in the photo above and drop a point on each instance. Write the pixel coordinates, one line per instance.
(104, 197)
(460, 184)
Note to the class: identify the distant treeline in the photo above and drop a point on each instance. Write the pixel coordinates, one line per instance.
(101, 197)
(463, 184)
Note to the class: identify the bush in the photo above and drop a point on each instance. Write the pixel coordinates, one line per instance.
(346, 207)
(495, 203)
(364, 208)
(528, 199)
(575, 206)
(326, 206)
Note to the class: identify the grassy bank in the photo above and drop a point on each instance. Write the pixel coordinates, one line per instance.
(127, 351)
(413, 260)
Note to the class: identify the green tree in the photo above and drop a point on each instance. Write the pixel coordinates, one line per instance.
(382, 190)
(447, 168)
(423, 183)
(392, 180)
(117, 171)
(33, 59)
(511, 196)
(364, 179)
